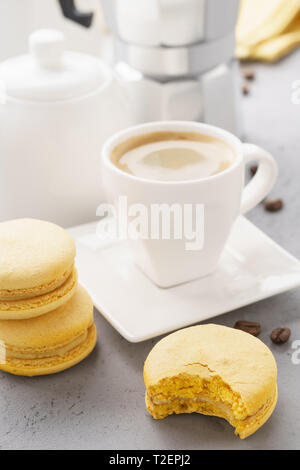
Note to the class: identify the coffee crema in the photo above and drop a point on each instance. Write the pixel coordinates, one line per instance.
(173, 156)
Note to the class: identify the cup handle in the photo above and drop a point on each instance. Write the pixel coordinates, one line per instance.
(261, 184)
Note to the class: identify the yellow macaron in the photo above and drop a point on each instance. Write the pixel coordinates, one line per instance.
(49, 343)
(213, 370)
(37, 271)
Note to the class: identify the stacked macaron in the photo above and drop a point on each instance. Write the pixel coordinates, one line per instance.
(46, 318)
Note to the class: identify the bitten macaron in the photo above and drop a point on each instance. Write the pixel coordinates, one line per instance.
(49, 343)
(213, 370)
(37, 272)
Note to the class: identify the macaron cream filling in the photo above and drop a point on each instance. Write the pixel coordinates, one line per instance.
(41, 303)
(50, 364)
(49, 351)
(212, 398)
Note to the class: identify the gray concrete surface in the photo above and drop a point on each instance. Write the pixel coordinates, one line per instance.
(99, 404)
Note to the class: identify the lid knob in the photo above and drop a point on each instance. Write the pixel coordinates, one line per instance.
(47, 47)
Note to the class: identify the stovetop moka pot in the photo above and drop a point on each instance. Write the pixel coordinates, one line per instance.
(174, 51)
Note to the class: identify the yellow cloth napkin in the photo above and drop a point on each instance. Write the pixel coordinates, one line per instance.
(267, 29)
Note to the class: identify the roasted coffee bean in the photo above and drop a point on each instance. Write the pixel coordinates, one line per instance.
(273, 205)
(253, 169)
(280, 335)
(251, 327)
(248, 74)
(245, 89)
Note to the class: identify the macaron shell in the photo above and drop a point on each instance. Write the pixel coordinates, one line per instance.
(33, 253)
(54, 364)
(261, 418)
(39, 305)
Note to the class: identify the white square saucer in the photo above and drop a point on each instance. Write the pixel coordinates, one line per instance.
(252, 268)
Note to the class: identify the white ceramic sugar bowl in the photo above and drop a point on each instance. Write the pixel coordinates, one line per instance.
(56, 109)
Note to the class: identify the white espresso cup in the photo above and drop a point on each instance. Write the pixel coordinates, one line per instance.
(220, 198)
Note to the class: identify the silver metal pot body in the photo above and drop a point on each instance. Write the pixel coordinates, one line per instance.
(210, 97)
(170, 23)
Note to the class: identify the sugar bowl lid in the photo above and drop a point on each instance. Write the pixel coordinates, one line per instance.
(49, 72)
